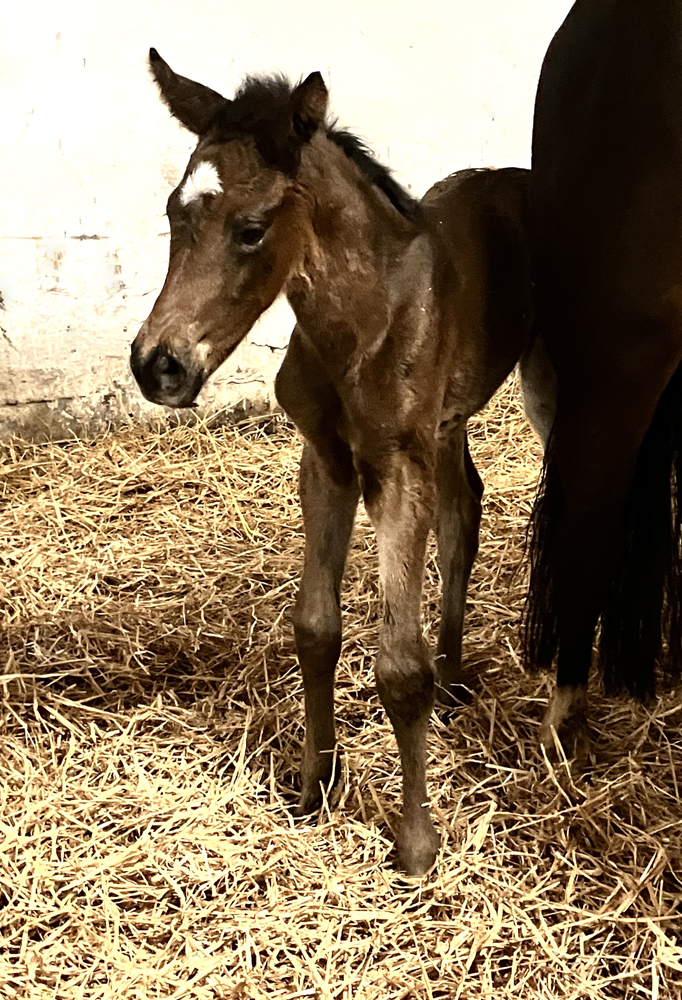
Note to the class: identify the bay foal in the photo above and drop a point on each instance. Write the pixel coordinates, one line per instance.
(409, 316)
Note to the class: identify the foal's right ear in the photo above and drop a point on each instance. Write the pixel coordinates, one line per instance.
(309, 105)
(194, 105)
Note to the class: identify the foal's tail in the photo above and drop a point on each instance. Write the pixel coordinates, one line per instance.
(641, 621)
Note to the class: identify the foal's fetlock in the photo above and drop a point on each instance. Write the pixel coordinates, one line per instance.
(404, 677)
(418, 845)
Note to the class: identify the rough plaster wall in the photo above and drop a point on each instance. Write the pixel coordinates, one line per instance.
(90, 156)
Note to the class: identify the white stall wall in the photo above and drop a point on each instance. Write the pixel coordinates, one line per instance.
(90, 155)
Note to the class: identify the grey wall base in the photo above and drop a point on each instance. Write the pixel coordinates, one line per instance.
(73, 417)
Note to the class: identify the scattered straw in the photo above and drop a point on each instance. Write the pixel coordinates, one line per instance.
(151, 732)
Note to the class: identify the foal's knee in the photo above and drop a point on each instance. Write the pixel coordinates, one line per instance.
(405, 680)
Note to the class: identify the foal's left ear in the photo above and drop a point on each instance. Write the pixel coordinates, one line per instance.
(309, 106)
(193, 104)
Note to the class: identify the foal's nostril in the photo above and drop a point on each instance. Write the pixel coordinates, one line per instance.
(166, 364)
(164, 379)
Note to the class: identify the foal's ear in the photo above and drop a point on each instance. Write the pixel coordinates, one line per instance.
(194, 105)
(280, 142)
(309, 106)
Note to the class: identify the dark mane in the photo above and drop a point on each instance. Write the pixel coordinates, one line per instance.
(361, 155)
(257, 109)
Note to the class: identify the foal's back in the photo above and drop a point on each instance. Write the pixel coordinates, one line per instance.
(477, 220)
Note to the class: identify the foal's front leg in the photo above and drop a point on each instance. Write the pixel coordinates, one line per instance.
(328, 514)
(401, 506)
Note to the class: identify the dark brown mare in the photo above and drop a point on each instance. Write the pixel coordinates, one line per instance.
(606, 224)
(409, 316)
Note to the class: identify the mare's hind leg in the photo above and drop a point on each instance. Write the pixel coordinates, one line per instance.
(328, 514)
(459, 514)
(581, 556)
(593, 458)
(566, 716)
(400, 502)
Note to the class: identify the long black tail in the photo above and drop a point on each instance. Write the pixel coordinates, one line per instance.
(641, 621)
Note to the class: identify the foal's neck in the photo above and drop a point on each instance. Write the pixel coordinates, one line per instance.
(356, 244)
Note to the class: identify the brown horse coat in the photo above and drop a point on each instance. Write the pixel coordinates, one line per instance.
(606, 224)
(409, 316)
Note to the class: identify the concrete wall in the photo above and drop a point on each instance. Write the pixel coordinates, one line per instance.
(90, 155)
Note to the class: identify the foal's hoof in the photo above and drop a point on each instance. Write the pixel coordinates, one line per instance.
(308, 803)
(322, 774)
(452, 695)
(418, 849)
(450, 686)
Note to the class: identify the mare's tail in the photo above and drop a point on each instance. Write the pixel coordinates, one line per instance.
(641, 621)
(541, 627)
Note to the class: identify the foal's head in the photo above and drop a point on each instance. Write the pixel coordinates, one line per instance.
(238, 224)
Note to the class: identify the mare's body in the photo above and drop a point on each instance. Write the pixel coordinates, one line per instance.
(606, 224)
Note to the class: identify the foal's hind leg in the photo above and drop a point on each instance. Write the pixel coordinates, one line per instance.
(328, 514)
(400, 504)
(459, 514)
(539, 388)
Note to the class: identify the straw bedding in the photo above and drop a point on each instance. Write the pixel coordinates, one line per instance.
(152, 725)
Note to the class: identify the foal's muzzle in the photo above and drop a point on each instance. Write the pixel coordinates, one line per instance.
(164, 379)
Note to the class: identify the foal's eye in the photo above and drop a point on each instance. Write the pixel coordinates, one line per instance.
(248, 236)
